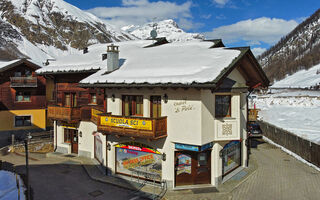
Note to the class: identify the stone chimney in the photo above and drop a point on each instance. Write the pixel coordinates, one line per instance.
(113, 57)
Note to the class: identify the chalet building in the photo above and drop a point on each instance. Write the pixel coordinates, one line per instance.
(175, 112)
(22, 97)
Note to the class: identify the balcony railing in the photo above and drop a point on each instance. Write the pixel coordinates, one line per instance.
(64, 113)
(136, 127)
(23, 81)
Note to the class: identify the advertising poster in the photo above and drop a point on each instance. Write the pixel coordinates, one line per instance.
(98, 149)
(231, 156)
(184, 164)
(132, 161)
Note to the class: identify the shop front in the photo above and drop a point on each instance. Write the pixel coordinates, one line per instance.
(192, 164)
(70, 135)
(138, 160)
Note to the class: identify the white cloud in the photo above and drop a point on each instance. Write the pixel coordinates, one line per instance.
(258, 51)
(139, 12)
(221, 2)
(268, 30)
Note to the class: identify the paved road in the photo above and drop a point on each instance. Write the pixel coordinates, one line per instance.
(279, 176)
(53, 179)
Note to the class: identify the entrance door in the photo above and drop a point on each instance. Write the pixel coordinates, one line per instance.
(192, 167)
(203, 168)
(74, 141)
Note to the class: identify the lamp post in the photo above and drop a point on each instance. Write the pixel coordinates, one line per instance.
(27, 165)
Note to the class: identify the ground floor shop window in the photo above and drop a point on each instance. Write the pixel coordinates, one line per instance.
(139, 161)
(67, 135)
(22, 121)
(231, 157)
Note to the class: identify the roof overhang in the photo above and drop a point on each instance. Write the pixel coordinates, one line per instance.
(19, 62)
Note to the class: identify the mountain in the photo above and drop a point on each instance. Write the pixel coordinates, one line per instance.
(298, 50)
(54, 26)
(166, 28)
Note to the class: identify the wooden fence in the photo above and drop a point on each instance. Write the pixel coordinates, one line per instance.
(309, 151)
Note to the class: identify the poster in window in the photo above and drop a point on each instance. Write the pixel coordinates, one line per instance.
(98, 149)
(135, 161)
(231, 156)
(184, 164)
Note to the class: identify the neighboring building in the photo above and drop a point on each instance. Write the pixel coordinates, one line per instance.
(175, 112)
(22, 97)
(69, 104)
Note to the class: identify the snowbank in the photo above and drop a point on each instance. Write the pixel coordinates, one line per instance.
(8, 186)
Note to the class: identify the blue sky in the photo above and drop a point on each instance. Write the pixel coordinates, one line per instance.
(255, 23)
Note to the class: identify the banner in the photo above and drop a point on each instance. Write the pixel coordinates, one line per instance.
(142, 124)
(138, 163)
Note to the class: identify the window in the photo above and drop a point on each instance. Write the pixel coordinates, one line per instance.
(155, 110)
(93, 98)
(22, 121)
(23, 97)
(132, 105)
(70, 100)
(67, 135)
(223, 106)
(17, 74)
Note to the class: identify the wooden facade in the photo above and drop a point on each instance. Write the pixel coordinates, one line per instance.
(17, 80)
(75, 102)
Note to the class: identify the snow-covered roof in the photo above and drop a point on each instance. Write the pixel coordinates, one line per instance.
(182, 62)
(4, 65)
(185, 63)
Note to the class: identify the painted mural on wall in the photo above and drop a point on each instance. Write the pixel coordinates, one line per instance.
(231, 155)
(138, 160)
(184, 164)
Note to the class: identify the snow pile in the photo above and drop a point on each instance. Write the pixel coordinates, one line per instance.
(166, 28)
(300, 79)
(187, 62)
(297, 114)
(8, 186)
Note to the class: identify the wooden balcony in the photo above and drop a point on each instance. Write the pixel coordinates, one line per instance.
(95, 114)
(135, 127)
(64, 113)
(23, 81)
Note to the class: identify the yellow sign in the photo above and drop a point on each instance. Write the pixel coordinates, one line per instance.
(95, 112)
(141, 124)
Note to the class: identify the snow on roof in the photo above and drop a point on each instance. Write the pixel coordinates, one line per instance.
(4, 64)
(300, 79)
(185, 63)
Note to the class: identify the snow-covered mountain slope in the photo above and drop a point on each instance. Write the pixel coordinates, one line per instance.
(55, 26)
(298, 50)
(166, 28)
(301, 79)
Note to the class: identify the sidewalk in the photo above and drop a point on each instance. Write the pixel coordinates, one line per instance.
(148, 190)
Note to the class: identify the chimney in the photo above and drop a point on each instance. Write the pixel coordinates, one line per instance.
(113, 57)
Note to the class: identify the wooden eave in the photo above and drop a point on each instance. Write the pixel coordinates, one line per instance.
(69, 72)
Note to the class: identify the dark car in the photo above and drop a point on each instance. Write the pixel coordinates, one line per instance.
(255, 130)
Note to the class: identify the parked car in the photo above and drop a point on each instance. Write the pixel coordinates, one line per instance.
(254, 130)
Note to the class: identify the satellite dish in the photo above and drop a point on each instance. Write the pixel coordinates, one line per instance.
(153, 34)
